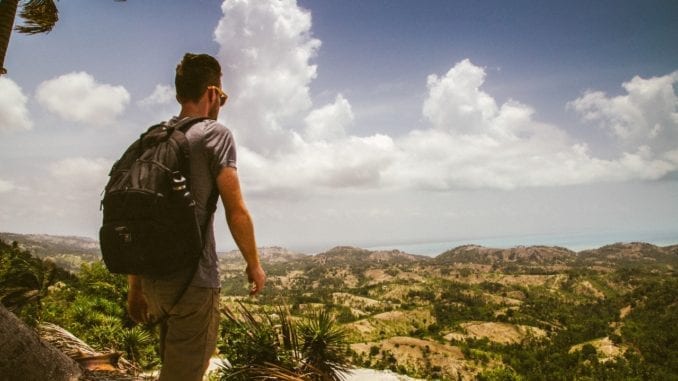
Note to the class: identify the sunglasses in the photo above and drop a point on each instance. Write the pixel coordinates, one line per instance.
(222, 95)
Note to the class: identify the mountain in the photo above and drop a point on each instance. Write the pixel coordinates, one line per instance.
(346, 255)
(272, 254)
(45, 244)
(68, 252)
(522, 255)
(629, 253)
(536, 312)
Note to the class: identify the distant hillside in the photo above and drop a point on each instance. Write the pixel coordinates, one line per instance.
(346, 255)
(635, 253)
(68, 252)
(472, 312)
(532, 255)
(45, 244)
(629, 253)
(338, 256)
(273, 254)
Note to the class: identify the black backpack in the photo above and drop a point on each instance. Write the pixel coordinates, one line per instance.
(149, 220)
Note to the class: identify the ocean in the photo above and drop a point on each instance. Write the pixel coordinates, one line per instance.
(573, 241)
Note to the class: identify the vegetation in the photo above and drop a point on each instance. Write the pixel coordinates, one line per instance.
(273, 345)
(473, 313)
(39, 16)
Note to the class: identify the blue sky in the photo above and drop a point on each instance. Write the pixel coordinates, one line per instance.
(369, 123)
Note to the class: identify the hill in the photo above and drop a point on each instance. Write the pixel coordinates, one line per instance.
(532, 255)
(629, 254)
(470, 313)
(68, 252)
(346, 255)
(273, 254)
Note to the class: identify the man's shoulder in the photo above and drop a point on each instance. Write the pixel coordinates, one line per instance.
(206, 130)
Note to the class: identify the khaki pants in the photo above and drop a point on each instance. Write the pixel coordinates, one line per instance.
(188, 330)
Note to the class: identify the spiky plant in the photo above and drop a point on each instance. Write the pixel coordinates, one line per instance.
(271, 346)
(133, 340)
(324, 346)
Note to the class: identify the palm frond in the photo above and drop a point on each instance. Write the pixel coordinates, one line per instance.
(39, 16)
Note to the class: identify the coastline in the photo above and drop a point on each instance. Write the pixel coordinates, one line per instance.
(572, 241)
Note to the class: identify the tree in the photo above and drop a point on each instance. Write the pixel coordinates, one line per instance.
(23, 355)
(40, 16)
(25, 280)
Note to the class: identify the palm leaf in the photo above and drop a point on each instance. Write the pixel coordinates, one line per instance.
(39, 16)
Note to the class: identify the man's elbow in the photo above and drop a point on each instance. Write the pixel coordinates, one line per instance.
(238, 214)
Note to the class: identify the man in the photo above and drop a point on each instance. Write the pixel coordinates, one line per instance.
(189, 327)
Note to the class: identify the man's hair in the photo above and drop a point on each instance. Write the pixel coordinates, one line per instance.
(194, 74)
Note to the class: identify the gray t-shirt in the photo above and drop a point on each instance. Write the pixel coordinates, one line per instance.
(212, 148)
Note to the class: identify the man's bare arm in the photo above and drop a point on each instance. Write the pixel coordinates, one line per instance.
(136, 303)
(241, 226)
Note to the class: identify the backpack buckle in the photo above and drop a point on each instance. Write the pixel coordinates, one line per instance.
(124, 234)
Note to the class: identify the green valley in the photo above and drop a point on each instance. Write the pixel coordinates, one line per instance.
(524, 313)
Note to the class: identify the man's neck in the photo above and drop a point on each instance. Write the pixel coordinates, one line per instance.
(191, 114)
(190, 109)
(202, 109)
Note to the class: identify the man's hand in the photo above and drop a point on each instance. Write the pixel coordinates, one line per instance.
(136, 303)
(257, 277)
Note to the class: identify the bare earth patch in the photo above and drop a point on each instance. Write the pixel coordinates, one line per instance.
(502, 333)
(388, 324)
(624, 312)
(355, 301)
(397, 291)
(289, 278)
(412, 353)
(377, 276)
(503, 300)
(587, 288)
(606, 349)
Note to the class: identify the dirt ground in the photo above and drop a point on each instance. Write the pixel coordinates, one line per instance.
(503, 333)
(606, 349)
(412, 353)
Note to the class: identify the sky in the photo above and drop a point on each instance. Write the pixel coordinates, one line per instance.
(391, 124)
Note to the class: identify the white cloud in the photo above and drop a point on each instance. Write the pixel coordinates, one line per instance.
(162, 95)
(88, 176)
(60, 198)
(456, 102)
(6, 186)
(504, 149)
(13, 111)
(646, 115)
(287, 149)
(76, 185)
(311, 166)
(77, 97)
(329, 123)
(475, 144)
(265, 51)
